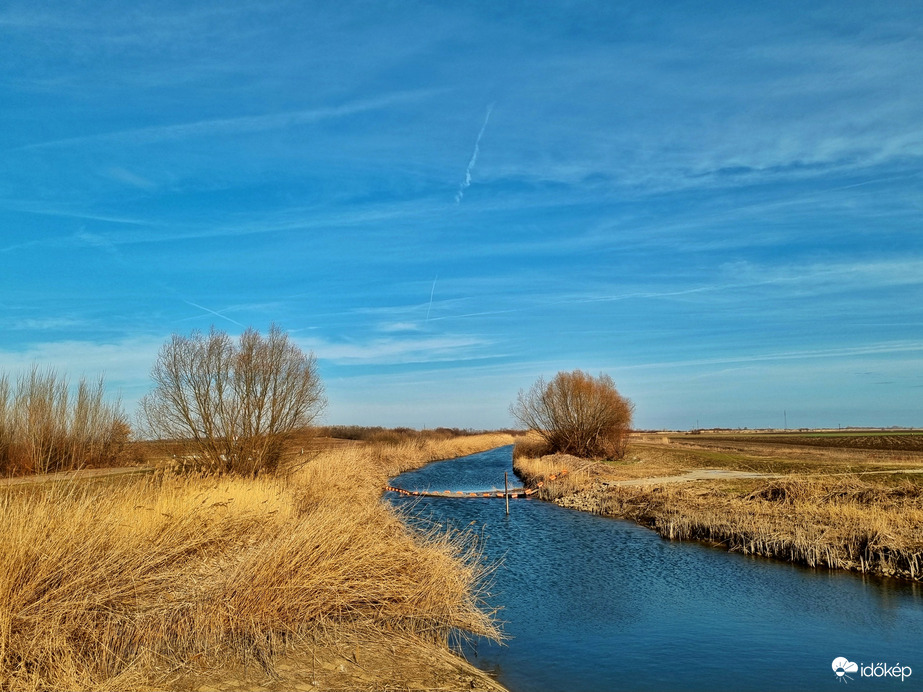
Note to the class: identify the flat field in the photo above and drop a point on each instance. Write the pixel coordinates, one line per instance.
(814, 452)
(893, 441)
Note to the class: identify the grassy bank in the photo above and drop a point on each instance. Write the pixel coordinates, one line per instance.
(172, 580)
(858, 510)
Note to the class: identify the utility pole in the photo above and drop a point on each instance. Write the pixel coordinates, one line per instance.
(506, 490)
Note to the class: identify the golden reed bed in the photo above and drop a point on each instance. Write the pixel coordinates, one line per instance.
(134, 584)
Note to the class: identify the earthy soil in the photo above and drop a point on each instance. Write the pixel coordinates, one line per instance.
(362, 666)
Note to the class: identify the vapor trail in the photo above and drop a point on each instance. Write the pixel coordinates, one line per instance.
(474, 158)
(431, 294)
(213, 312)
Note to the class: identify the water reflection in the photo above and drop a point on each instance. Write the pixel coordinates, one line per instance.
(601, 604)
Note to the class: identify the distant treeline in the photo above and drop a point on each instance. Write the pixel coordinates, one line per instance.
(398, 435)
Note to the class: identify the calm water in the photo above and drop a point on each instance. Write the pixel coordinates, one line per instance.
(602, 604)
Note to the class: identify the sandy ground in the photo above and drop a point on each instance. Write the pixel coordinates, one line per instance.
(366, 666)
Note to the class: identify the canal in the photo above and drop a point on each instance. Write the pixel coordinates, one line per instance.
(593, 604)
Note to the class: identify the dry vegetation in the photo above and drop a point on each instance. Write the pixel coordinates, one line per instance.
(826, 506)
(843, 523)
(142, 583)
(236, 404)
(576, 413)
(46, 426)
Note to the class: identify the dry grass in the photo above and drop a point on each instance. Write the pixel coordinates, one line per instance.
(842, 523)
(836, 508)
(393, 459)
(47, 426)
(545, 473)
(128, 585)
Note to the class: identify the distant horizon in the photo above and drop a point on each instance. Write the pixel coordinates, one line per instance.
(717, 206)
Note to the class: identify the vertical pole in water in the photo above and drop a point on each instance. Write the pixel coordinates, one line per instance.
(506, 491)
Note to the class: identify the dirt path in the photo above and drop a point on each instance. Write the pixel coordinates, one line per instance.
(80, 474)
(696, 475)
(395, 666)
(726, 474)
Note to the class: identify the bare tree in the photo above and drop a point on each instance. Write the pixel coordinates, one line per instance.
(576, 413)
(237, 403)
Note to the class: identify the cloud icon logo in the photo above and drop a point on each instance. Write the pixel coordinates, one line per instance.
(841, 666)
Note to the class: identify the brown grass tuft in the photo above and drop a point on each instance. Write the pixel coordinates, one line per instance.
(547, 471)
(123, 586)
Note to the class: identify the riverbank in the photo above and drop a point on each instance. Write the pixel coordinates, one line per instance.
(190, 582)
(594, 604)
(820, 505)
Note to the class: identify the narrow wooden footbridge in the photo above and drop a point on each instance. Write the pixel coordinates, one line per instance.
(464, 495)
(521, 493)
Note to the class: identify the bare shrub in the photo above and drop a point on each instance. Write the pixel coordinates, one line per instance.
(576, 413)
(237, 403)
(46, 425)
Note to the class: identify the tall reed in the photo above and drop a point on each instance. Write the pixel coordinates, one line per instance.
(837, 523)
(120, 586)
(46, 425)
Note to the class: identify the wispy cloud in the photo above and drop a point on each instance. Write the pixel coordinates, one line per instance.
(46, 323)
(399, 327)
(229, 126)
(846, 352)
(474, 157)
(123, 175)
(46, 209)
(125, 362)
(427, 349)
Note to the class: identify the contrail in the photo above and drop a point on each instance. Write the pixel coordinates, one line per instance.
(474, 158)
(213, 312)
(228, 126)
(431, 294)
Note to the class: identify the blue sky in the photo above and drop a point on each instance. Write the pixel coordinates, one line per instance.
(718, 204)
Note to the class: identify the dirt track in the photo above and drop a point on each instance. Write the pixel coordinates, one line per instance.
(80, 474)
(725, 474)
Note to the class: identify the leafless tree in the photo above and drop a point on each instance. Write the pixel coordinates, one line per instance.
(237, 403)
(576, 413)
